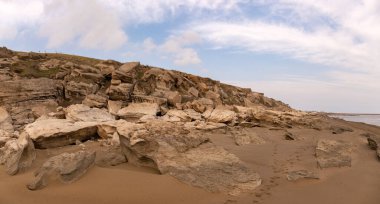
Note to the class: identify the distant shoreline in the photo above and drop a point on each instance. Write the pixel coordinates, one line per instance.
(352, 114)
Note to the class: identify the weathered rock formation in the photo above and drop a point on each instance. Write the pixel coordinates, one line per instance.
(17, 154)
(67, 166)
(187, 156)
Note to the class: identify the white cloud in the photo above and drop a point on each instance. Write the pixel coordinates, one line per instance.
(145, 11)
(17, 14)
(318, 95)
(177, 47)
(85, 21)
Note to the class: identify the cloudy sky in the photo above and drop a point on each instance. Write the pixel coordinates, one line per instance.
(312, 54)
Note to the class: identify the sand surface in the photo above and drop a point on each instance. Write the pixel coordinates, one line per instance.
(125, 183)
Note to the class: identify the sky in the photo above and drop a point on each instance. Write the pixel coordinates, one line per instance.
(315, 55)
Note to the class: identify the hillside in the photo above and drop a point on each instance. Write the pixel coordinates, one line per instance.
(128, 132)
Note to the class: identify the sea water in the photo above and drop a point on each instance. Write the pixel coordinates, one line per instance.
(369, 119)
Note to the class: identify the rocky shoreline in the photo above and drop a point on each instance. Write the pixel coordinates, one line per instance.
(90, 113)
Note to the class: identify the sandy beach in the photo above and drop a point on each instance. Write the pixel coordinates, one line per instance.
(129, 184)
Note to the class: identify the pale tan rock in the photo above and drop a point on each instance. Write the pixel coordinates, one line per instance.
(202, 104)
(137, 110)
(5, 120)
(187, 156)
(178, 115)
(222, 115)
(96, 101)
(68, 167)
(80, 112)
(193, 91)
(114, 106)
(17, 154)
(52, 133)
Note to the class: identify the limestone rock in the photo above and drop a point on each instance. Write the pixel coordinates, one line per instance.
(202, 125)
(50, 64)
(96, 101)
(301, 174)
(125, 72)
(137, 110)
(333, 153)
(187, 156)
(202, 104)
(193, 91)
(80, 112)
(121, 92)
(178, 115)
(17, 154)
(221, 115)
(80, 90)
(69, 167)
(52, 133)
(114, 106)
(15, 91)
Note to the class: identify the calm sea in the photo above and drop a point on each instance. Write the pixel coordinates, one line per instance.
(369, 119)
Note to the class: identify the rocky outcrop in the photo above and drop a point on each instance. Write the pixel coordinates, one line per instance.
(96, 101)
(52, 133)
(187, 156)
(68, 167)
(80, 112)
(220, 115)
(13, 92)
(17, 154)
(333, 153)
(137, 110)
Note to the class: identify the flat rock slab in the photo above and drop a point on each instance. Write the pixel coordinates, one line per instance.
(52, 133)
(80, 112)
(333, 153)
(69, 167)
(187, 156)
(301, 174)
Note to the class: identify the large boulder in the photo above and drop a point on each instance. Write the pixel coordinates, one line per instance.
(187, 156)
(222, 115)
(17, 154)
(69, 167)
(333, 153)
(80, 112)
(137, 110)
(52, 133)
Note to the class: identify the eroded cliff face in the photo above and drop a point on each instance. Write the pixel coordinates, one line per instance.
(34, 84)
